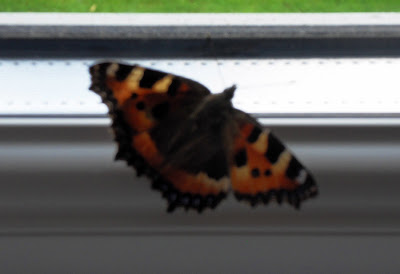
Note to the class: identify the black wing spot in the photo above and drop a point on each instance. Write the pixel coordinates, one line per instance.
(255, 172)
(293, 169)
(159, 111)
(216, 168)
(150, 77)
(267, 172)
(173, 88)
(241, 158)
(134, 96)
(275, 148)
(140, 105)
(254, 135)
(123, 72)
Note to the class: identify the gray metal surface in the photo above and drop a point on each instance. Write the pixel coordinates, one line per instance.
(201, 254)
(270, 35)
(65, 206)
(198, 26)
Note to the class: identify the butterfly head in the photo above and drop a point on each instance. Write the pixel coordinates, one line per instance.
(215, 110)
(229, 92)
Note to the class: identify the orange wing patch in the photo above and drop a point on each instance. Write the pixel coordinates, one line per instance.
(263, 169)
(198, 191)
(127, 81)
(199, 183)
(143, 95)
(145, 146)
(181, 188)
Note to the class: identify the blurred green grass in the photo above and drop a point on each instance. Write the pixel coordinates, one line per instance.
(199, 6)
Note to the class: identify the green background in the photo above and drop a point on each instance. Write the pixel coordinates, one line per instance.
(200, 5)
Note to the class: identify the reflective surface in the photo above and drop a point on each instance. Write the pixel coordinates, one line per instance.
(266, 87)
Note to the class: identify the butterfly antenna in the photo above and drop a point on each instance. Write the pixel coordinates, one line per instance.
(213, 52)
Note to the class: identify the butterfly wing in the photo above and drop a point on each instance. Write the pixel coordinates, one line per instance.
(149, 110)
(144, 96)
(263, 168)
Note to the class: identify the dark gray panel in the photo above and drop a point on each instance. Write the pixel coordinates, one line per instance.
(200, 254)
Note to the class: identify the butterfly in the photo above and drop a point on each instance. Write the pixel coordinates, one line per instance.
(194, 145)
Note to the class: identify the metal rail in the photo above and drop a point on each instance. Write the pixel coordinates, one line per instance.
(311, 88)
(198, 26)
(199, 35)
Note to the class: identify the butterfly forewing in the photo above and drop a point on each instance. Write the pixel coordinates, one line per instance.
(144, 96)
(263, 168)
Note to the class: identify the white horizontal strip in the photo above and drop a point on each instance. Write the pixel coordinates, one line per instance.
(199, 19)
(285, 122)
(266, 87)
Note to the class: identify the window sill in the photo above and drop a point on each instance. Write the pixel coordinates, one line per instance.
(60, 187)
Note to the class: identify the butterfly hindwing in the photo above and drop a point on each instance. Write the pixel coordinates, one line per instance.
(263, 168)
(193, 175)
(149, 110)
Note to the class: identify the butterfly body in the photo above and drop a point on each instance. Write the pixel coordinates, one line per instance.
(194, 145)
